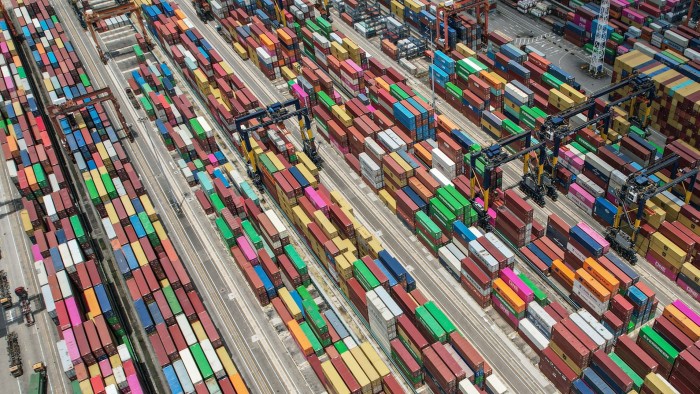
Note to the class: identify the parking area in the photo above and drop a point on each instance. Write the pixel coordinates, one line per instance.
(525, 29)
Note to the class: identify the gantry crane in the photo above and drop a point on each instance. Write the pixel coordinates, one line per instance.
(595, 67)
(279, 12)
(690, 16)
(556, 128)
(78, 103)
(92, 16)
(494, 156)
(447, 9)
(638, 189)
(276, 114)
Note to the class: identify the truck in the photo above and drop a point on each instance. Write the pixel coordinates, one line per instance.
(37, 382)
(14, 354)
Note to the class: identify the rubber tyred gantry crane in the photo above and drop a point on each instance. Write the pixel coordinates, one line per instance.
(447, 9)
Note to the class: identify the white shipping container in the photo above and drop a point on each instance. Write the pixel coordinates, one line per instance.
(50, 208)
(533, 334)
(586, 296)
(277, 223)
(190, 366)
(676, 38)
(388, 301)
(466, 387)
(495, 386)
(598, 163)
(213, 359)
(75, 251)
(64, 284)
(109, 229)
(442, 179)
(64, 357)
(691, 54)
(586, 328)
(349, 342)
(600, 329)
(111, 389)
(450, 260)
(506, 251)
(186, 329)
(66, 257)
(588, 185)
(540, 318)
(12, 170)
(183, 377)
(374, 147)
(454, 249)
(479, 252)
(41, 272)
(476, 232)
(516, 93)
(48, 300)
(463, 365)
(124, 354)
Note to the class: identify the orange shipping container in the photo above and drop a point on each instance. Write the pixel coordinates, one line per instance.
(565, 273)
(509, 295)
(300, 338)
(588, 281)
(683, 323)
(91, 302)
(602, 275)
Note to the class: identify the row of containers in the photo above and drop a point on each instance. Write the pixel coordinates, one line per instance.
(377, 285)
(623, 35)
(425, 212)
(171, 312)
(94, 347)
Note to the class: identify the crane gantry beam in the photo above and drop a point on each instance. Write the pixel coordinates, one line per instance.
(78, 103)
(91, 16)
(449, 8)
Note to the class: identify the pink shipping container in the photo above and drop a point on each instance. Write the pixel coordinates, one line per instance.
(73, 313)
(247, 250)
(491, 212)
(688, 289)
(36, 253)
(582, 195)
(72, 346)
(684, 309)
(316, 200)
(517, 285)
(596, 236)
(661, 267)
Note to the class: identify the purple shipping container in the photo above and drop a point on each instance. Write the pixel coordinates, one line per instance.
(73, 313)
(596, 236)
(517, 285)
(586, 198)
(514, 322)
(247, 250)
(681, 306)
(316, 200)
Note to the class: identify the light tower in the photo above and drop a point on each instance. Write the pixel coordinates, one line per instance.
(595, 67)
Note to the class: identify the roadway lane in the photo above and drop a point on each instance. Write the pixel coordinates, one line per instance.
(38, 343)
(252, 341)
(471, 319)
(667, 291)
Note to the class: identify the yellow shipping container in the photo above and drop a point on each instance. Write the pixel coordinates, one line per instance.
(228, 365)
(138, 252)
(382, 83)
(111, 213)
(115, 361)
(287, 73)
(300, 219)
(199, 331)
(374, 248)
(338, 199)
(357, 372)
(668, 250)
(148, 207)
(86, 387)
(565, 358)
(564, 272)
(94, 370)
(682, 321)
(289, 302)
(351, 253)
(372, 375)
(335, 382)
(160, 230)
(307, 175)
(341, 115)
(397, 9)
(350, 46)
(304, 159)
(388, 200)
(672, 209)
(340, 244)
(26, 223)
(509, 295)
(128, 207)
(692, 272)
(240, 51)
(559, 100)
(343, 266)
(374, 358)
(110, 381)
(464, 50)
(326, 226)
(656, 384)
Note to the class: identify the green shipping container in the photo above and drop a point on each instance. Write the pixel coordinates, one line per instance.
(109, 186)
(225, 232)
(585, 144)
(37, 383)
(315, 343)
(139, 53)
(432, 246)
(429, 225)
(325, 99)
(454, 90)
(201, 360)
(510, 127)
(197, 129)
(580, 147)
(217, 203)
(637, 381)
(75, 387)
(251, 234)
(85, 80)
(461, 199)
(450, 202)
(40, 175)
(551, 81)
(267, 164)
(304, 294)
(397, 92)
(296, 260)
(440, 317)
(364, 275)
(431, 325)
(173, 303)
(92, 191)
(312, 26)
(146, 104)
(78, 229)
(668, 352)
(540, 296)
(441, 213)
(325, 26)
(341, 347)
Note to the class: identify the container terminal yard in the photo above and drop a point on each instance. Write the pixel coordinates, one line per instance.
(283, 196)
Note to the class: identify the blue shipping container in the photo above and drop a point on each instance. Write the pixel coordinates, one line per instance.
(144, 316)
(596, 382)
(605, 210)
(540, 254)
(171, 378)
(267, 283)
(595, 249)
(389, 275)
